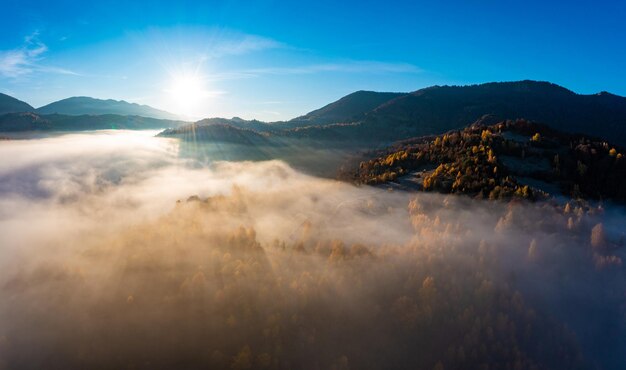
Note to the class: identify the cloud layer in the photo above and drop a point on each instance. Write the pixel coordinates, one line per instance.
(117, 253)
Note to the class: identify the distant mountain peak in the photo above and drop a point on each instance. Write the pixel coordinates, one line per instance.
(79, 105)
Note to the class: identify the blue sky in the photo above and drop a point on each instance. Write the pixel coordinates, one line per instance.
(278, 59)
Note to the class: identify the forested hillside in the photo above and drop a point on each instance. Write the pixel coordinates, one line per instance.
(508, 159)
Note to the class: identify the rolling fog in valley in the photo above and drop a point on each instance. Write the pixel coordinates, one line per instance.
(118, 252)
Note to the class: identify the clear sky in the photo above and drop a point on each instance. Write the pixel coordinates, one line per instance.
(278, 59)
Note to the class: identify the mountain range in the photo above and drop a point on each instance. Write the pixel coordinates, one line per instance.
(82, 113)
(82, 105)
(375, 119)
(440, 108)
(29, 121)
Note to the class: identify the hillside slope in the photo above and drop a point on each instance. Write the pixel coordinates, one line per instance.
(9, 104)
(507, 159)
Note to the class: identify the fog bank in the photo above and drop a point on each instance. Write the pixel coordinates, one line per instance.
(117, 252)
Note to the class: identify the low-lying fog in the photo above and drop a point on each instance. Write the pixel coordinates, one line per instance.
(117, 253)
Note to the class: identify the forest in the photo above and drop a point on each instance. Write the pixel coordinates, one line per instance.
(488, 161)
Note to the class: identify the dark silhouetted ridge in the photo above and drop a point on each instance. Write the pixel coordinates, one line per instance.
(348, 109)
(28, 121)
(9, 104)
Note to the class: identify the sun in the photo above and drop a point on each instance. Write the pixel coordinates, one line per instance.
(187, 92)
(186, 89)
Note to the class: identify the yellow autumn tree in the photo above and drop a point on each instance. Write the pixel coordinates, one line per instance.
(243, 359)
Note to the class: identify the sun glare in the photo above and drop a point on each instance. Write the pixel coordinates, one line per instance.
(187, 92)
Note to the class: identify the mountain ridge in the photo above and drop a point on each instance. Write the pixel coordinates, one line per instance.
(81, 105)
(347, 109)
(437, 109)
(30, 121)
(380, 118)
